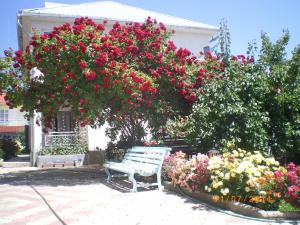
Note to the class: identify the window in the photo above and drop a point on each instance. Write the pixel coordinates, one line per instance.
(3, 115)
(63, 122)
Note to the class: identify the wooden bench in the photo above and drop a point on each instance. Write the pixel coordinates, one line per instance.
(145, 161)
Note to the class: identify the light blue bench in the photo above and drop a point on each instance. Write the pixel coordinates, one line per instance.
(145, 161)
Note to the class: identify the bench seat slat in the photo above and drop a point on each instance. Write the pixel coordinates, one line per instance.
(145, 155)
(148, 149)
(142, 160)
(132, 168)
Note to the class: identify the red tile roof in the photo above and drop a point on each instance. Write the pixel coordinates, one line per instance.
(11, 129)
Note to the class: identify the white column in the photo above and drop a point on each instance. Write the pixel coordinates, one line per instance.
(36, 135)
(97, 137)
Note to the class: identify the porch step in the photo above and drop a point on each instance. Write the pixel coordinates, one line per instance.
(15, 164)
(18, 161)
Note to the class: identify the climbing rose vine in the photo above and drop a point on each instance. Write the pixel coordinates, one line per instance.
(98, 76)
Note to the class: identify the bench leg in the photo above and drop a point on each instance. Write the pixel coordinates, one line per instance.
(160, 187)
(134, 184)
(108, 175)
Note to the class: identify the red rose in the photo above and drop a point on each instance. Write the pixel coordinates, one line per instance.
(83, 64)
(82, 101)
(100, 27)
(73, 47)
(90, 74)
(106, 82)
(154, 91)
(116, 81)
(67, 88)
(133, 95)
(97, 88)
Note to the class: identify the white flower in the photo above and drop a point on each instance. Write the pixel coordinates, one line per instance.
(224, 191)
(247, 189)
(227, 176)
(257, 173)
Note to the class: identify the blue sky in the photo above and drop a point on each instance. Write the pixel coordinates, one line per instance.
(246, 19)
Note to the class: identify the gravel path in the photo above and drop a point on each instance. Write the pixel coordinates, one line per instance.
(81, 196)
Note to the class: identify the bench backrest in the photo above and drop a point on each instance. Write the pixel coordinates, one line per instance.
(148, 155)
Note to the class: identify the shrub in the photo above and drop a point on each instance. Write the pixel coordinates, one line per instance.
(11, 148)
(115, 152)
(60, 149)
(20, 139)
(1, 153)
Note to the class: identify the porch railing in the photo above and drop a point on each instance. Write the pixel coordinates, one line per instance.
(62, 138)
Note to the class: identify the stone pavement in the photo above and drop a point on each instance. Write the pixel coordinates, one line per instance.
(32, 196)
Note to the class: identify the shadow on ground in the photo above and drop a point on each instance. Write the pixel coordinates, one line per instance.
(54, 177)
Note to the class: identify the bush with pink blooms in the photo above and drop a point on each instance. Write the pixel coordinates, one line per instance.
(289, 183)
(191, 174)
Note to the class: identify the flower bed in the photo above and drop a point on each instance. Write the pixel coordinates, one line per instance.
(237, 176)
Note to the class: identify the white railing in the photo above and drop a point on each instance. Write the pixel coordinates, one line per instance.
(62, 138)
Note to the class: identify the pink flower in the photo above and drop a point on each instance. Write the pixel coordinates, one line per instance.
(278, 174)
(292, 177)
(291, 166)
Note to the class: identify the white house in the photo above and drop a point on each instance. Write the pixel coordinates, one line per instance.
(192, 35)
(12, 121)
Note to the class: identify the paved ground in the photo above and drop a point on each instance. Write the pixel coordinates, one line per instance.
(81, 196)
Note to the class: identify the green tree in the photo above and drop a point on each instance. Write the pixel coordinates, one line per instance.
(282, 102)
(225, 42)
(231, 109)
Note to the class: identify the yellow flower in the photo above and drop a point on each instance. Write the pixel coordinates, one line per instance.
(230, 145)
(236, 154)
(217, 184)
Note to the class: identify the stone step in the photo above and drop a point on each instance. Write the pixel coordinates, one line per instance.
(15, 164)
(18, 161)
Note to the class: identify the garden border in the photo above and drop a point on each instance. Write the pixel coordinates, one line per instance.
(235, 207)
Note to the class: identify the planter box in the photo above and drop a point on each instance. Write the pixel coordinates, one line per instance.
(236, 207)
(53, 160)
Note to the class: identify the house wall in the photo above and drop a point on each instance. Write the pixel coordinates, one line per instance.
(192, 39)
(15, 117)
